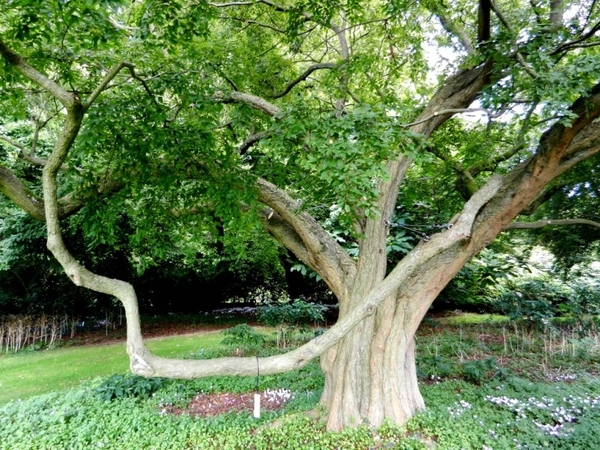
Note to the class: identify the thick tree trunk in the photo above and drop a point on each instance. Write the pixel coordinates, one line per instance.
(370, 376)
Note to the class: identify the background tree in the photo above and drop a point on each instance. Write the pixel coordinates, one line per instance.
(191, 115)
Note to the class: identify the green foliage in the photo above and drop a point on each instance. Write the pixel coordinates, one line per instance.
(478, 280)
(343, 155)
(435, 367)
(493, 411)
(583, 305)
(511, 414)
(478, 371)
(514, 414)
(295, 313)
(119, 386)
(538, 300)
(290, 319)
(244, 337)
(175, 144)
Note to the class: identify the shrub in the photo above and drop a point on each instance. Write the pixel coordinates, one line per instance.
(299, 312)
(435, 367)
(532, 300)
(288, 317)
(245, 339)
(120, 386)
(480, 370)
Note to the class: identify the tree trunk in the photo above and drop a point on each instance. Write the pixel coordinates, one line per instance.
(371, 374)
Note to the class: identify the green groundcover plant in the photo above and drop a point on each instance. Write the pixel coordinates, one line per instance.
(509, 414)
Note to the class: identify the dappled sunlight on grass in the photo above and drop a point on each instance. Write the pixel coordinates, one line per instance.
(466, 318)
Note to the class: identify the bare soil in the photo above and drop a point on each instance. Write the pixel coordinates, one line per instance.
(207, 405)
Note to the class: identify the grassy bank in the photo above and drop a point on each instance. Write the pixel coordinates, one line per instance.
(32, 373)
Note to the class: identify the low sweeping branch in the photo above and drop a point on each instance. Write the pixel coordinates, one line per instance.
(550, 223)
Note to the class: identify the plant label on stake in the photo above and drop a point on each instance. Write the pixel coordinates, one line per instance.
(257, 395)
(257, 406)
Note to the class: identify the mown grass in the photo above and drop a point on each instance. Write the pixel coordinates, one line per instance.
(32, 373)
(473, 318)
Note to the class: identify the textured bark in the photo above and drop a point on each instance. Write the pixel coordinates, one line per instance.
(13, 188)
(371, 375)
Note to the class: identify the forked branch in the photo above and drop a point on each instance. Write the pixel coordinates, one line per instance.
(112, 73)
(65, 97)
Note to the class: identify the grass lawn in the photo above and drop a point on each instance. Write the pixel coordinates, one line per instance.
(32, 373)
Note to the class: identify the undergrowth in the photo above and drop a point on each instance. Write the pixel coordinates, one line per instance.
(486, 386)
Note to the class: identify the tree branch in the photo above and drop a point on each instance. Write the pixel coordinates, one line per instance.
(341, 34)
(322, 252)
(112, 73)
(145, 363)
(274, 5)
(549, 223)
(557, 9)
(491, 164)
(16, 191)
(458, 32)
(66, 98)
(444, 112)
(585, 144)
(253, 22)
(303, 77)
(577, 42)
(13, 188)
(554, 154)
(532, 73)
(546, 195)
(284, 234)
(465, 183)
(227, 5)
(253, 101)
(251, 140)
(27, 156)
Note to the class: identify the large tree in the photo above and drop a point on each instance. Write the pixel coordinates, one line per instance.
(186, 114)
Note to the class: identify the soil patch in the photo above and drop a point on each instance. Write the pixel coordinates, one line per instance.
(207, 405)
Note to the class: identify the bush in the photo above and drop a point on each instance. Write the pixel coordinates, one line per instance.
(480, 370)
(245, 339)
(470, 288)
(288, 317)
(538, 300)
(120, 386)
(299, 312)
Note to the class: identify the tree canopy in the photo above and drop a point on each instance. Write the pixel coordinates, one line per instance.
(179, 123)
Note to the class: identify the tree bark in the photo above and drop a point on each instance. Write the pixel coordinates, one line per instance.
(371, 375)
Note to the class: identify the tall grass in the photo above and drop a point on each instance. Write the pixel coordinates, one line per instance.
(540, 353)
